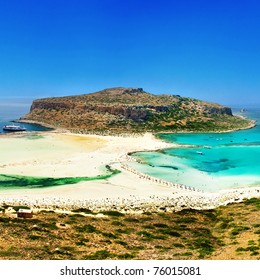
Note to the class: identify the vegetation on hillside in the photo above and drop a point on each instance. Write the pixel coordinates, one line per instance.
(230, 232)
(120, 110)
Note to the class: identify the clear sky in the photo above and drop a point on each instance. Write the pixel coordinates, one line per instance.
(203, 49)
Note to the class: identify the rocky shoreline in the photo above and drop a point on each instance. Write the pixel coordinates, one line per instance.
(134, 204)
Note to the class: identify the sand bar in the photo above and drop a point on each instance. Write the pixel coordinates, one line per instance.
(51, 154)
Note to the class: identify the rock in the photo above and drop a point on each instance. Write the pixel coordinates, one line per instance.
(122, 109)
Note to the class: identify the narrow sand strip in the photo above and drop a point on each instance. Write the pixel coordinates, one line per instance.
(70, 155)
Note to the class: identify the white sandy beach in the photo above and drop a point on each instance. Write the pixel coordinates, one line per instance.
(70, 155)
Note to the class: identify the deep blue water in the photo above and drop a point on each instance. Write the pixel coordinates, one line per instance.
(29, 127)
(13, 109)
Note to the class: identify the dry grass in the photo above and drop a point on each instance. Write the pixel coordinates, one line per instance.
(231, 232)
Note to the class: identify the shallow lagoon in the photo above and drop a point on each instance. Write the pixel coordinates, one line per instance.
(211, 162)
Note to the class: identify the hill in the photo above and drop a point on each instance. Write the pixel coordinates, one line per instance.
(121, 110)
(229, 232)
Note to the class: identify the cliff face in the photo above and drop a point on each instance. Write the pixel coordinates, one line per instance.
(125, 110)
(134, 112)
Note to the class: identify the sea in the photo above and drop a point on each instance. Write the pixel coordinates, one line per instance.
(12, 109)
(208, 161)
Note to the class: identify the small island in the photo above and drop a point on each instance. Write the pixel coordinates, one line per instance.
(133, 110)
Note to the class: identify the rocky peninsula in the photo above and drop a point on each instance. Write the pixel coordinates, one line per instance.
(132, 110)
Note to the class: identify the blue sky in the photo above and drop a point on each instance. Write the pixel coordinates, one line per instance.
(203, 49)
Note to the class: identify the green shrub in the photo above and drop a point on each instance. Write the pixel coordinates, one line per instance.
(35, 237)
(109, 235)
(82, 210)
(99, 255)
(126, 256)
(238, 229)
(113, 213)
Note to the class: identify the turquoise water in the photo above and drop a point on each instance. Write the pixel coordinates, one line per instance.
(213, 162)
(18, 181)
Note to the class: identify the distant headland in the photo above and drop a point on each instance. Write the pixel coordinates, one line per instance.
(133, 110)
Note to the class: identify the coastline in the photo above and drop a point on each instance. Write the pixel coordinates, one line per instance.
(131, 203)
(252, 124)
(45, 125)
(84, 155)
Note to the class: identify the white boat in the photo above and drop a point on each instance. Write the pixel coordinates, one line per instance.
(13, 128)
(200, 153)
